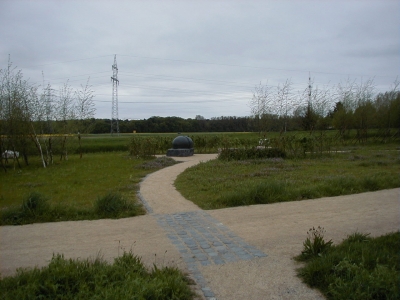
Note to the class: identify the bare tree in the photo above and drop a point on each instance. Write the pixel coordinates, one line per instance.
(283, 101)
(261, 106)
(19, 108)
(65, 113)
(85, 109)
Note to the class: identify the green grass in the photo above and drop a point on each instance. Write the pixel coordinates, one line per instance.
(126, 278)
(219, 184)
(72, 190)
(360, 268)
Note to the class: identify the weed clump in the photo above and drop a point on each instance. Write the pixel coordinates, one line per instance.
(315, 244)
(112, 205)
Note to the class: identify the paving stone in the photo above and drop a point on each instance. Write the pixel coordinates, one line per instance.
(189, 259)
(219, 262)
(209, 250)
(201, 257)
(221, 249)
(207, 292)
(245, 257)
(260, 254)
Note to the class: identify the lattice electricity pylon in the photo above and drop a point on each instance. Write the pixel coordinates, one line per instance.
(114, 106)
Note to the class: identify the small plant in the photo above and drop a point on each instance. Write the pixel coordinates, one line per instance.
(314, 245)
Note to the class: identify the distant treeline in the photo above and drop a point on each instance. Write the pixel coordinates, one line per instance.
(176, 124)
(380, 112)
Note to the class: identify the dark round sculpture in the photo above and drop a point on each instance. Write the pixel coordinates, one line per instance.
(182, 142)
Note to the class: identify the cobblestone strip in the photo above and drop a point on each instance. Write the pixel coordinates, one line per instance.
(202, 240)
(144, 202)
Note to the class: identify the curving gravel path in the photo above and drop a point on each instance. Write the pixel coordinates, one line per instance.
(234, 253)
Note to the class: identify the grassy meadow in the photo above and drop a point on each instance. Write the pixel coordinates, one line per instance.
(98, 185)
(220, 183)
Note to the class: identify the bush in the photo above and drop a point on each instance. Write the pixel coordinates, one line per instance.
(112, 205)
(35, 204)
(250, 153)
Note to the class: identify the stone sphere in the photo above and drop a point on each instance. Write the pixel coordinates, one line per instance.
(182, 142)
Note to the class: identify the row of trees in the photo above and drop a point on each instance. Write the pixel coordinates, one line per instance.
(346, 106)
(26, 113)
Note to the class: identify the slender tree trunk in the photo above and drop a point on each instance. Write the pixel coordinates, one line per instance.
(15, 158)
(37, 143)
(50, 151)
(80, 146)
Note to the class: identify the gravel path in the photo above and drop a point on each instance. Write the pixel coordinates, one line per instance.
(234, 253)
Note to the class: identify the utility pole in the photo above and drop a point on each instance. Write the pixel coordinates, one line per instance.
(114, 106)
(309, 88)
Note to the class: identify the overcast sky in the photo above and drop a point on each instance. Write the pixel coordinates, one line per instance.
(188, 58)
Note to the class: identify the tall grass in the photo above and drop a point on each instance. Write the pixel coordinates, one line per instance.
(126, 278)
(360, 268)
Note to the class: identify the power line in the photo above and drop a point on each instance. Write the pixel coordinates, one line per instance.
(251, 67)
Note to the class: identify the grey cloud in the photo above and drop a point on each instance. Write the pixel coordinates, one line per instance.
(194, 46)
